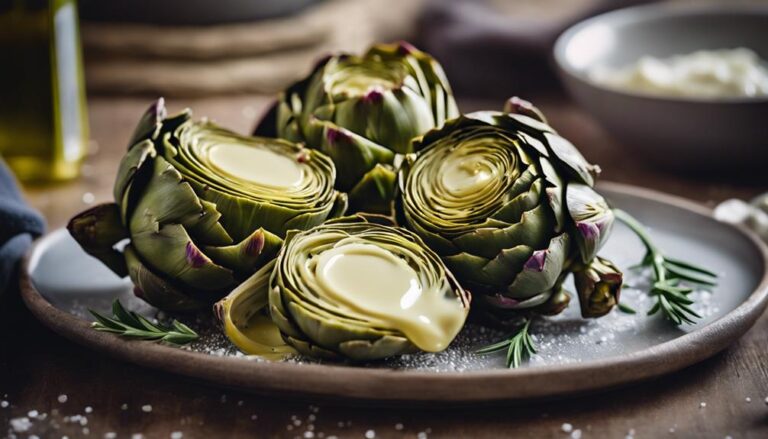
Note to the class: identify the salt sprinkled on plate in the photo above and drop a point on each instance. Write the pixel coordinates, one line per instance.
(20, 425)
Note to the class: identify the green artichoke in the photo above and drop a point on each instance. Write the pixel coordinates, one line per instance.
(362, 111)
(351, 288)
(509, 206)
(203, 208)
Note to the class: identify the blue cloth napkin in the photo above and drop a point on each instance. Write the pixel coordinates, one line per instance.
(19, 224)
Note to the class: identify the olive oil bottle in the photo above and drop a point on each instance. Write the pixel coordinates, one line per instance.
(43, 122)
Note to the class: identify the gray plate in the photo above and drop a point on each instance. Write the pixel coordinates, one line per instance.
(575, 355)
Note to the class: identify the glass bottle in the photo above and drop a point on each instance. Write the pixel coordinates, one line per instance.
(43, 122)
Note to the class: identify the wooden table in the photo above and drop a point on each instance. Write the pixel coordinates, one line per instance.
(724, 396)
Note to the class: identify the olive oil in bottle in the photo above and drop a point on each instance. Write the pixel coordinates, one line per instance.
(43, 123)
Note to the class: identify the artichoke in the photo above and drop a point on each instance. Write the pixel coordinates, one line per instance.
(351, 288)
(509, 206)
(362, 111)
(203, 208)
(599, 287)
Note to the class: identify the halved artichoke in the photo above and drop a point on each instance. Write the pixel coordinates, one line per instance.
(361, 111)
(203, 208)
(350, 288)
(509, 206)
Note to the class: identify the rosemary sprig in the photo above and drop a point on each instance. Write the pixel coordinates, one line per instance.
(131, 325)
(668, 277)
(519, 347)
(626, 309)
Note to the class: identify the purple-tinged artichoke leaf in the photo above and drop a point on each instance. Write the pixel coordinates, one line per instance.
(98, 230)
(516, 105)
(249, 254)
(170, 253)
(352, 154)
(149, 122)
(542, 270)
(155, 290)
(592, 217)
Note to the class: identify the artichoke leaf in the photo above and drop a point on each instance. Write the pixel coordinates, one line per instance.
(353, 154)
(507, 264)
(129, 165)
(513, 210)
(149, 123)
(242, 314)
(374, 191)
(542, 270)
(205, 229)
(559, 299)
(176, 256)
(157, 291)
(387, 346)
(98, 230)
(533, 230)
(571, 158)
(247, 255)
(592, 216)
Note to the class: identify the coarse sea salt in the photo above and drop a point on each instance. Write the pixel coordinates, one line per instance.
(562, 339)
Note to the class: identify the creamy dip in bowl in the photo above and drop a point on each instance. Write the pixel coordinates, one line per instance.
(680, 84)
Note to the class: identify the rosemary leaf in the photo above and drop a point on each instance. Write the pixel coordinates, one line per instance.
(519, 346)
(671, 297)
(128, 324)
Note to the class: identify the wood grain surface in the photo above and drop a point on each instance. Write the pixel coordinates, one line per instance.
(723, 396)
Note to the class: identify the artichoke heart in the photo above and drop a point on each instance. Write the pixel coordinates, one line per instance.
(350, 288)
(203, 208)
(362, 111)
(508, 205)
